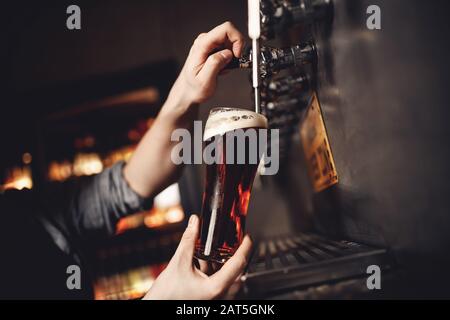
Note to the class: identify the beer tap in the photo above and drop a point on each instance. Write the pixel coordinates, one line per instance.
(294, 84)
(277, 15)
(283, 106)
(273, 60)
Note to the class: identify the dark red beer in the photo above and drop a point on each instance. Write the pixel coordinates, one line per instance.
(228, 185)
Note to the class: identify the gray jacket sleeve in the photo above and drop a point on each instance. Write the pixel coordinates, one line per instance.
(89, 208)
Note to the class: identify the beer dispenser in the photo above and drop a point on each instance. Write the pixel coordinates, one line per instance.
(363, 182)
(288, 71)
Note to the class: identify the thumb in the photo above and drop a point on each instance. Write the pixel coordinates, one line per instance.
(214, 64)
(185, 250)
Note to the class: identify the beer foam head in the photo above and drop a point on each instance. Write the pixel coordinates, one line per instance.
(222, 120)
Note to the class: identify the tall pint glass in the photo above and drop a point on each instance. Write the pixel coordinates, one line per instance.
(234, 144)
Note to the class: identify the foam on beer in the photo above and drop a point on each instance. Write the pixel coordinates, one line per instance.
(222, 120)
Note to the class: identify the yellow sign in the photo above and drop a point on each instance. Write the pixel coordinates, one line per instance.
(316, 146)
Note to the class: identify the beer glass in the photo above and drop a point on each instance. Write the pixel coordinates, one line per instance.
(234, 142)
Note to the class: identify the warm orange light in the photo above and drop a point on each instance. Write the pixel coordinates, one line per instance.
(59, 171)
(131, 222)
(86, 164)
(27, 158)
(134, 135)
(18, 178)
(89, 141)
(123, 154)
(155, 219)
(174, 215)
(160, 217)
(132, 284)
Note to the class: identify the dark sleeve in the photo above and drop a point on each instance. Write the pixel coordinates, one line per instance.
(90, 207)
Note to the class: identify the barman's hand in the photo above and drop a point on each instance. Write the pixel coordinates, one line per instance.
(150, 169)
(197, 80)
(181, 280)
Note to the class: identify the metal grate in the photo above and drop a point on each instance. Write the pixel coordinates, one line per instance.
(304, 260)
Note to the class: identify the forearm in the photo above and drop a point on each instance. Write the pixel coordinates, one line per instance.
(151, 169)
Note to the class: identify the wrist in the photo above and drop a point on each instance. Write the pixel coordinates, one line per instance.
(179, 107)
(178, 99)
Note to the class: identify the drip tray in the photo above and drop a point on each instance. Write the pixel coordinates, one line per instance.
(306, 260)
